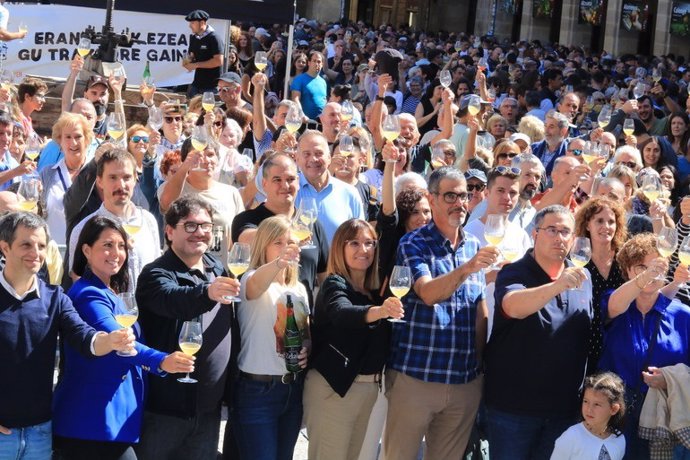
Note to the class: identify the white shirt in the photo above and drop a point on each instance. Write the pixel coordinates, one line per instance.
(54, 203)
(517, 238)
(578, 443)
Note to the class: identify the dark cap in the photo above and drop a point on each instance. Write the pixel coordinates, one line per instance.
(231, 77)
(387, 61)
(97, 80)
(197, 15)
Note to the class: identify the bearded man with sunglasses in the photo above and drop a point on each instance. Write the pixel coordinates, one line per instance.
(434, 378)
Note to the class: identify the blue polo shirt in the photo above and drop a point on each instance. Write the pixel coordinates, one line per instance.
(437, 342)
(628, 336)
(336, 202)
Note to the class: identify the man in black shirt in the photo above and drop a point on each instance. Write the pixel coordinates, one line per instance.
(280, 184)
(205, 54)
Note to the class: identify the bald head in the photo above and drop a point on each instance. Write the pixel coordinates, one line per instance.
(8, 202)
(562, 168)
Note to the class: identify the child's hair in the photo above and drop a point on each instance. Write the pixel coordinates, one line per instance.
(613, 387)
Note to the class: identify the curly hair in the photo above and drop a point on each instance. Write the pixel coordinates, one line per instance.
(170, 158)
(635, 250)
(407, 200)
(594, 206)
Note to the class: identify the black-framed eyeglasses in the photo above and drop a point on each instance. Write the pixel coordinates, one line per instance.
(452, 197)
(137, 139)
(191, 227)
(366, 244)
(553, 231)
(171, 119)
(477, 187)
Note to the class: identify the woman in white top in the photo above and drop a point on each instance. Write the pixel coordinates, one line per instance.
(73, 133)
(267, 413)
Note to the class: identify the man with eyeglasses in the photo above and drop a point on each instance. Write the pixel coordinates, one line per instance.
(476, 189)
(434, 377)
(503, 191)
(187, 283)
(536, 357)
(509, 110)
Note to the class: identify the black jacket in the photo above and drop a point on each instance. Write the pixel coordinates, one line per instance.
(168, 294)
(344, 345)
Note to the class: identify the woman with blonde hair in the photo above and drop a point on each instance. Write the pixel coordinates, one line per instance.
(532, 127)
(504, 151)
(74, 134)
(267, 412)
(496, 125)
(351, 343)
(602, 220)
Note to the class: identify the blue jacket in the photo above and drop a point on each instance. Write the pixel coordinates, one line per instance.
(102, 399)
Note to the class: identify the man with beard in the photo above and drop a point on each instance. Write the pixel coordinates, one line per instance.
(309, 89)
(568, 106)
(554, 144)
(434, 378)
(645, 111)
(538, 343)
(96, 91)
(116, 176)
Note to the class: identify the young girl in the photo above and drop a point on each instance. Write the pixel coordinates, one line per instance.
(599, 436)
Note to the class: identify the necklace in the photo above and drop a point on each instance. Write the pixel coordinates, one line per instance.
(599, 434)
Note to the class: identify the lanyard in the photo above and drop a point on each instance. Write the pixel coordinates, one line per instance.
(62, 179)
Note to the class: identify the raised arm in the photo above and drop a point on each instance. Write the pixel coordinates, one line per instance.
(68, 90)
(377, 111)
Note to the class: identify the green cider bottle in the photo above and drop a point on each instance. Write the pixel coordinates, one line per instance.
(292, 340)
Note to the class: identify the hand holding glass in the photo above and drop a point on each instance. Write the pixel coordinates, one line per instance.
(127, 315)
(400, 284)
(190, 342)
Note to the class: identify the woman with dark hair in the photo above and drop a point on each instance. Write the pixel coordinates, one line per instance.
(652, 156)
(428, 107)
(98, 404)
(350, 345)
(678, 132)
(299, 65)
(245, 51)
(346, 75)
(234, 64)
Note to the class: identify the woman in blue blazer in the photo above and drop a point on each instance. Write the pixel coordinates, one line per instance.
(98, 403)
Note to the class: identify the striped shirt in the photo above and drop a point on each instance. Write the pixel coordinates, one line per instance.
(437, 343)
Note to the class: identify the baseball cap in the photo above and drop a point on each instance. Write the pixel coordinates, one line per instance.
(520, 137)
(197, 15)
(231, 77)
(261, 32)
(97, 80)
(475, 173)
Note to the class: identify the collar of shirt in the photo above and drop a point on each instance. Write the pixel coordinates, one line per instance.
(169, 145)
(442, 240)
(8, 287)
(208, 30)
(304, 184)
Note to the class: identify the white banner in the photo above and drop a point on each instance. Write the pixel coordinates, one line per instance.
(54, 32)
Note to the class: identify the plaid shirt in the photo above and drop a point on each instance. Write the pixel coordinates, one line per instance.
(437, 343)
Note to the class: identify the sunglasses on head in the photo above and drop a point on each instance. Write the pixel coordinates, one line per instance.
(507, 170)
(137, 139)
(171, 119)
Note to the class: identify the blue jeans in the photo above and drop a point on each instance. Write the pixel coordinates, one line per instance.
(266, 418)
(28, 443)
(520, 437)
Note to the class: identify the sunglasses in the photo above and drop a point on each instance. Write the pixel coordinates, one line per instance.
(507, 155)
(629, 164)
(475, 187)
(171, 119)
(137, 139)
(507, 170)
(217, 124)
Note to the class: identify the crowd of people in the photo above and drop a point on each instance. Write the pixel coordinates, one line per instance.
(431, 243)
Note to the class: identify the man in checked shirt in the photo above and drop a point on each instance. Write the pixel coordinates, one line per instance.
(434, 380)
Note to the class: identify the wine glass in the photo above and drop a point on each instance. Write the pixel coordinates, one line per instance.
(683, 253)
(84, 46)
(208, 101)
(238, 263)
(483, 64)
(199, 143)
(581, 252)
(301, 228)
(510, 249)
(667, 240)
(604, 117)
(656, 75)
(293, 119)
(116, 126)
(126, 315)
(494, 231)
(390, 128)
(308, 213)
(190, 342)
(400, 284)
(639, 90)
(28, 193)
(33, 147)
(475, 105)
(629, 126)
(458, 46)
(347, 110)
(155, 120)
(651, 187)
(134, 222)
(446, 78)
(438, 157)
(346, 147)
(23, 28)
(260, 60)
